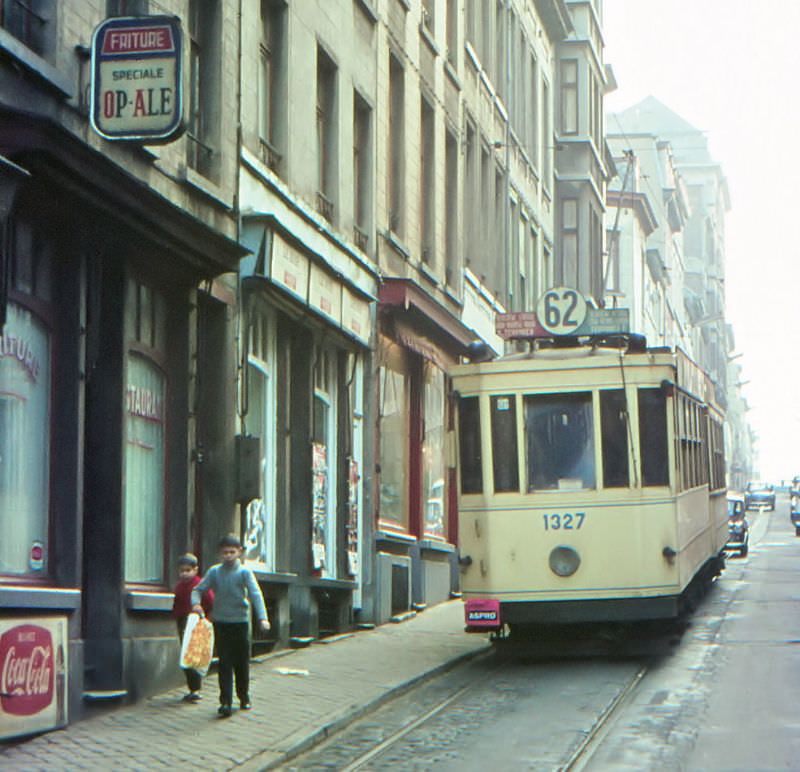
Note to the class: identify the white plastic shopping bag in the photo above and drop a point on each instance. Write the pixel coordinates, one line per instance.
(197, 647)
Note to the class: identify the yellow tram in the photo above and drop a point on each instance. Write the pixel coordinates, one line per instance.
(591, 483)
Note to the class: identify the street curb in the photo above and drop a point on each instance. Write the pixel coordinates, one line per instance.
(266, 760)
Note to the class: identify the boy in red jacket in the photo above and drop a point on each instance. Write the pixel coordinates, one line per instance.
(188, 567)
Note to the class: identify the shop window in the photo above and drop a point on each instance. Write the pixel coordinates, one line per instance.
(559, 434)
(653, 437)
(259, 421)
(324, 465)
(393, 445)
(145, 493)
(614, 427)
(433, 466)
(504, 443)
(470, 456)
(25, 396)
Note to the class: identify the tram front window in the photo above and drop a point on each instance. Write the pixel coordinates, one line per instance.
(559, 438)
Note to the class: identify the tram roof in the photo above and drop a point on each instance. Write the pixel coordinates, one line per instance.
(596, 354)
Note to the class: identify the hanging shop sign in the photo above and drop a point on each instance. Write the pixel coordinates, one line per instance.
(136, 89)
(33, 675)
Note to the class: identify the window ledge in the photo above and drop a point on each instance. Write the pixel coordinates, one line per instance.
(40, 598)
(35, 64)
(434, 545)
(271, 577)
(149, 601)
(427, 273)
(452, 293)
(325, 583)
(394, 241)
(369, 11)
(450, 71)
(205, 186)
(397, 537)
(427, 36)
(472, 56)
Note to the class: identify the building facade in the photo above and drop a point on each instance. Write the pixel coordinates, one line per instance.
(114, 264)
(248, 328)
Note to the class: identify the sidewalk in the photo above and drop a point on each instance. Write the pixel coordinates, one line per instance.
(298, 698)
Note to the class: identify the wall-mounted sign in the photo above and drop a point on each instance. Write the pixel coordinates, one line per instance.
(33, 675)
(136, 79)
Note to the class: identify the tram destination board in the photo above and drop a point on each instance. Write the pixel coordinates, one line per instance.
(523, 325)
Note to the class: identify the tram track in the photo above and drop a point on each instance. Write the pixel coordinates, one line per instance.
(581, 756)
(429, 732)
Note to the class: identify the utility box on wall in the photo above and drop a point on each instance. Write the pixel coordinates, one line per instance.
(393, 586)
(248, 467)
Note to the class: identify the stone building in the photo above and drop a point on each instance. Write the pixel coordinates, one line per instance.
(247, 327)
(114, 277)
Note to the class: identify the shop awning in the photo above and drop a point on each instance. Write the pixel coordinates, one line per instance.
(56, 157)
(421, 323)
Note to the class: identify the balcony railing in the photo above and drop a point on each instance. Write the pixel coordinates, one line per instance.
(361, 238)
(325, 206)
(270, 155)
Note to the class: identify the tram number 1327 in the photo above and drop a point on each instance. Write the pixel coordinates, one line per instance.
(565, 522)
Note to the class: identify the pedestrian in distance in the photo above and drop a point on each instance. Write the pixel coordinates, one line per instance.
(188, 579)
(235, 591)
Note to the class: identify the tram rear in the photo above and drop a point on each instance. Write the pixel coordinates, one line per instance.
(591, 485)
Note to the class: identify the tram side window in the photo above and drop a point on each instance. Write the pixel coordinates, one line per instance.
(559, 438)
(717, 455)
(469, 432)
(653, 437)
(504, 443)
(614, 426)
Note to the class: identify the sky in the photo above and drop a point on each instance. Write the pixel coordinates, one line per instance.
(730, 68)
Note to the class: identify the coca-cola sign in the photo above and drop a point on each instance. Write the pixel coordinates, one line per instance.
(26, 670)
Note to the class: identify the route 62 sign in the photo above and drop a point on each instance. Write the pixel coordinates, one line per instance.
(561, 311)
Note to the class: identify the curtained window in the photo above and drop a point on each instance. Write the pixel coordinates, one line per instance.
(144, 471)
(24, 443)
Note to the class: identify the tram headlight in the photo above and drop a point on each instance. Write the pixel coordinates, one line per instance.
(564, 561)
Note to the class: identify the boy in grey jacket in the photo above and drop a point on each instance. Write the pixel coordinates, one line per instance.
(235, 589)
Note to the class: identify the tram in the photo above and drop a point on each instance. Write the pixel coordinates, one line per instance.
(591, 479)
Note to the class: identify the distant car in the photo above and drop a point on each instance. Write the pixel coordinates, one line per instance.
(738, 527)
(794, 505)
(759, 494)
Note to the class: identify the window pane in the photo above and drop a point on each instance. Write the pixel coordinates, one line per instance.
(504, 443)
(144, 472)
(257, 513)
(469, 432)
(433, 452)
(653, 437)
(614, 423)
(560, 441)
(24, 443)
(393, 434)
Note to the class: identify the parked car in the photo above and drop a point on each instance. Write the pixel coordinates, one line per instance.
(794, 509)
(738, 527)
(759, 494)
